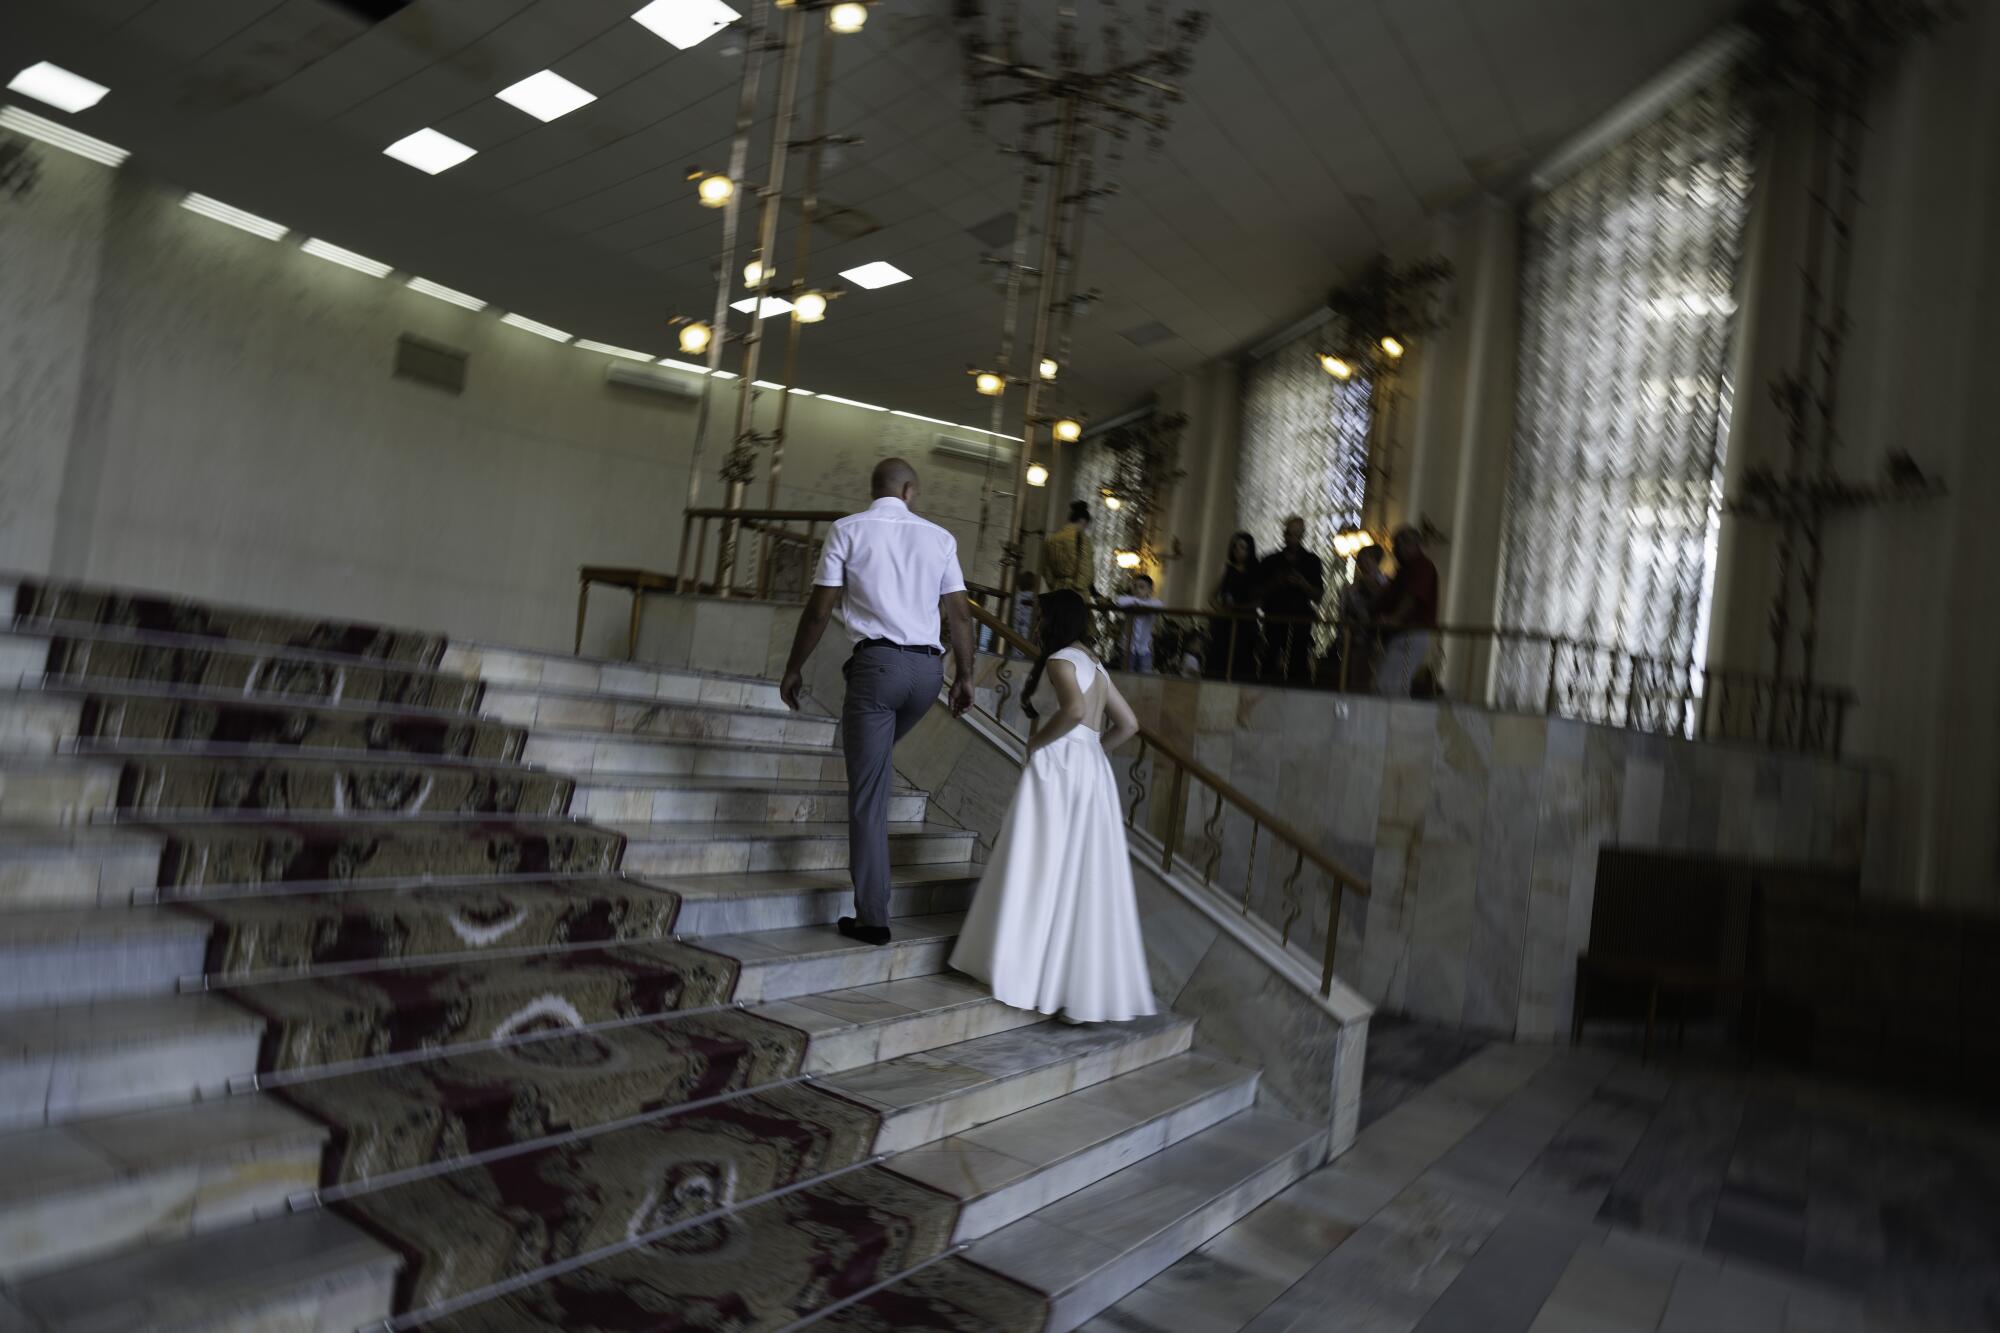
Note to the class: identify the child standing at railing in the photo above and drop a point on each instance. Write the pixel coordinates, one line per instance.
(1139, 628)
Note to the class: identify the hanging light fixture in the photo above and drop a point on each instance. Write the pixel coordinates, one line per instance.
(1334, 366)
(1128, 559)
(847, 18)
(1068, 429)
(1037, 475)
(1392, 347)
(754, 274)
(713, 188)
(1049, 368)
(695, 337)
(809, 307)
(989, 383)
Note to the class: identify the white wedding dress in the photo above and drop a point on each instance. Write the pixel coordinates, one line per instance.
(1054, 926)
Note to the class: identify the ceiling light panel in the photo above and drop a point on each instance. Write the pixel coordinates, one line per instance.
(849, 402)
(332, 253)
(548, 331)
(429, 151)
(444, 293)
(590, 345)
(235, 217)
(546, 95)
(685, 23)
(773, 305)
(689, 366)
(32, 126)
(880, 273)
(58, 87)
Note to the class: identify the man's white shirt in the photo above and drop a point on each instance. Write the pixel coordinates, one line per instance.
(893, 567)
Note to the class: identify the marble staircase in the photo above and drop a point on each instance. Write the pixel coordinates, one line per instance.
(349, 976)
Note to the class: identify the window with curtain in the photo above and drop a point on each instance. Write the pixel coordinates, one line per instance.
(1614, 489)
(1304, 451)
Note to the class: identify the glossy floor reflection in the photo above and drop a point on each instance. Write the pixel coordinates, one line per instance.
(1533, 1189)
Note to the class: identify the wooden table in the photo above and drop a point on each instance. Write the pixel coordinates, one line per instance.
(638, 582)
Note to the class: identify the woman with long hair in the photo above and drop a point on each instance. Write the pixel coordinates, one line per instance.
(1055, 924)
(1236, 642)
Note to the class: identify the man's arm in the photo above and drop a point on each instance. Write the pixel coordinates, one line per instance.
(812, 623)
(960, 621)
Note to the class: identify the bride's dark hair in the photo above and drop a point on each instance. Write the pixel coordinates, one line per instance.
(1065, 621)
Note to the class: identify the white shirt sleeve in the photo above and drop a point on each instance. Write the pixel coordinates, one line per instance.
(833, 560)
(954, 577)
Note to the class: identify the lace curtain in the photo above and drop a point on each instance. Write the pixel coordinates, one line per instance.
(1304, 451)
(1622, 401)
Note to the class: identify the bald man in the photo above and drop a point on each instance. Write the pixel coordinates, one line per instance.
(895, 573)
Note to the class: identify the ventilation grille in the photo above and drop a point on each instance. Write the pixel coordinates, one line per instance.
(1145, 335)
(430, 363)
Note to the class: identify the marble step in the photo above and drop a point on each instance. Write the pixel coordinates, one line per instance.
(24, 651)
(644, 798)
(942, 1091)
(1088, 1250)
(584, 754)
(501, 666)
(76, 955)
(127, 715)
(307, 1272)
(712, 849)
(625, 714)
(42, 868)
(34, 721)
(866, 1025)
(714, 905)
(803, 960)
(55, 789)
(1008, 1167)
(63, 1063)
(185, 782)
(77, 1192)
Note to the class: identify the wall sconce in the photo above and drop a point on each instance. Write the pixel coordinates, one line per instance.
(1392, 348)
(1037, 475)
(1128, 559)
(1334, 366)
(1068, 430)
(1352, 542)
(1113, 503)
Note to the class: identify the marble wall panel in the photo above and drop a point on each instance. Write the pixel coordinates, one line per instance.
(1494, 960)
(1441, 931)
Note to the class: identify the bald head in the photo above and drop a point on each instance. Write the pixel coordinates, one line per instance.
(894, 477)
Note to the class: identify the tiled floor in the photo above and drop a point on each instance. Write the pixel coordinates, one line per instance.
(1535, 1189)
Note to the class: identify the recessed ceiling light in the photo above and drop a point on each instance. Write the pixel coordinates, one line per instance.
(803, 393)
(773, 305)
(689, 366)
(766, 384)
(685, 23)
(61, 136)
(427, 150)
(235, 217)
(725, 374)
(58, 87)
(359, 263)
(849, 402)
(548, 331)
(546, 96)
(589, 346)
(881, 273)
(444, 293)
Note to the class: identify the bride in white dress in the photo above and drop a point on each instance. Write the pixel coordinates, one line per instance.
(1055, 927)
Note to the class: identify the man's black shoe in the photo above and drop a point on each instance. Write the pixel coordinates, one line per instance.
(854, 930)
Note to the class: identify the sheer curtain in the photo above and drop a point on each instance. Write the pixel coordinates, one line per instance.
(1614, 489)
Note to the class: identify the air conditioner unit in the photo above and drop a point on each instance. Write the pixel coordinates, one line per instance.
(666, 383)
(972, 451)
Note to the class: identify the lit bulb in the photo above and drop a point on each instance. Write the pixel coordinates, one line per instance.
(695, 336)
(1128, 560)
(1113, 503)
(753, 273)
(1048, 368)
(1068, 430)
(1392, 348)
(809, 307)
(715, 190)
(847, 18)
(989, 384)
(1334, 366)
(1037, 475)
(1343, 546)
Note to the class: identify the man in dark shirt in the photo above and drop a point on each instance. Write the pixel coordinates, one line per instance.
(1407, 613)
(1293, 583)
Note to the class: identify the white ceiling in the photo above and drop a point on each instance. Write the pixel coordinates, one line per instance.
(1315, 132)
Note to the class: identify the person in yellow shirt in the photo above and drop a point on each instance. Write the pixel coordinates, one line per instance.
(1066, 555)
